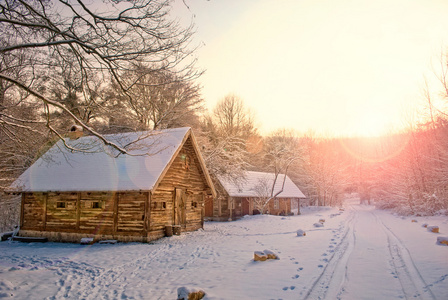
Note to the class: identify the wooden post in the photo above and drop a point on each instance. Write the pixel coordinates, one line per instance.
(22, 213)
(78, 210)
(230, 208)
(202, 205)
(147, 212)
(116, 212)
(45, 195)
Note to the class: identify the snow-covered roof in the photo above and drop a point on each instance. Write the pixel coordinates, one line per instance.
(102, 168)
(254, 182)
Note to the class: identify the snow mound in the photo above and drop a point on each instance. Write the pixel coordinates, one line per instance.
(318, 225)
(5, 289)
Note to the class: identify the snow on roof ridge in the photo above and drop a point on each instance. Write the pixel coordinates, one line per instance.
(247, 187)
(60, 169)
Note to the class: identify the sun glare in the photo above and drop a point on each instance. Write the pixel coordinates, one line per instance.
(372, 125)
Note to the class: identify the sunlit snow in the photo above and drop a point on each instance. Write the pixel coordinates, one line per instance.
(360, 253)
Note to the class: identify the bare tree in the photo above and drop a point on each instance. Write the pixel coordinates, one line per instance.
(99, 42)
(159, 99)
(233, 119)
(226, 135)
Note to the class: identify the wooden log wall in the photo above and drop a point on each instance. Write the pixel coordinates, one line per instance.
(110, 213)
(131, 212)
(97, 211)
(221, 210)
(33, 211)
(284, 206)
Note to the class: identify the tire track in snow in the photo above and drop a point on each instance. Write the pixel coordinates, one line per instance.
(411, 280)
(328, 284)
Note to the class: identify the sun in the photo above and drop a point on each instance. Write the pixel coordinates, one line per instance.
(372, 124)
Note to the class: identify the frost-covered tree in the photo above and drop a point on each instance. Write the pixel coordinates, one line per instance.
(226, 136)
(99, 42)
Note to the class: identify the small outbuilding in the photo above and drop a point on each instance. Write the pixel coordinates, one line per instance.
(249, 196)
(100, 193)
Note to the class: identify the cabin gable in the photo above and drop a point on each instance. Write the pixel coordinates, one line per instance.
(179, 197)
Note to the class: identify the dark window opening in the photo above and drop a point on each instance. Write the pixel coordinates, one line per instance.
(158, 205)
(96, 204)
(60, 204)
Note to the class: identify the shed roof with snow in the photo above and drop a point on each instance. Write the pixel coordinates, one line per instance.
(102, 168)
(250, 186)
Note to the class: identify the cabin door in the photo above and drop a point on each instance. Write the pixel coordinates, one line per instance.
(246, 206)
(208, 206)
(180, 214)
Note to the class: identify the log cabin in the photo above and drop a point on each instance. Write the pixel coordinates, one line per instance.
(82, 188)
(237, 199)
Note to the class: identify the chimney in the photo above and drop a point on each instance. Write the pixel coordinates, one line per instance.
(75, 132)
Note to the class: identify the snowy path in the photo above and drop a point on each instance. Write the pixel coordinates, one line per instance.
(361, 253)
(370, 257)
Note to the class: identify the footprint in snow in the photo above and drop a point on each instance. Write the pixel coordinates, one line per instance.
(296, 276)
(300, 269)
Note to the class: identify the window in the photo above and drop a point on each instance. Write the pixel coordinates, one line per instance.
(276, 204)
(158, 205)
(96, 204)
(194, 204)
(61, 204)
(185, 161)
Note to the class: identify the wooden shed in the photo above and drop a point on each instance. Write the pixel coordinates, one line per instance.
(103, 194)
(237, 199)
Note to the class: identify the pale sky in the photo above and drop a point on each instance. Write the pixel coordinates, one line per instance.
(339, 67)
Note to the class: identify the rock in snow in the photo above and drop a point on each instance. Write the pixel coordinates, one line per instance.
(86, 241)
(265, 255)
(260, 256)
(184, 293)
(434, 229)
(301, 232)
(271, 255)
(442, 240)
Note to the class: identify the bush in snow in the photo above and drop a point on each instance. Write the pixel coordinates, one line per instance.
(425, 225)
(442, 240)
(301, 232)
(321, 220)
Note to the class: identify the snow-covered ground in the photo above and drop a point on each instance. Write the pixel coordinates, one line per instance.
(360, 253)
